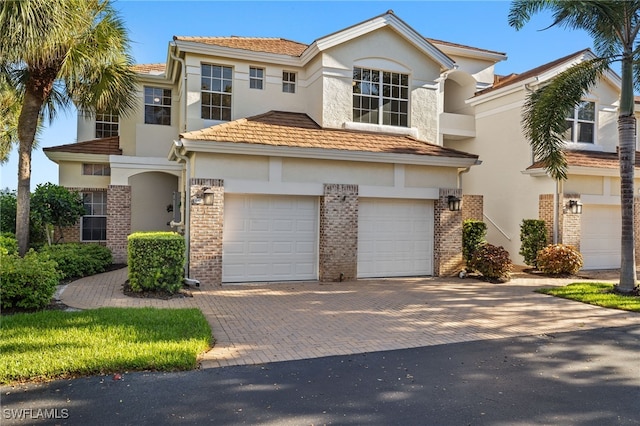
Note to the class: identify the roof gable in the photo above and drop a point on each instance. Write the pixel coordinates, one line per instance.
(103, 146)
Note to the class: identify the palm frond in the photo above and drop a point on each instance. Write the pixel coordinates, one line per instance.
(546, 110)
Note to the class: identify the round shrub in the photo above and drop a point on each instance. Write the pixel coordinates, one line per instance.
(28, 282)
(559, 259)
(492, 262)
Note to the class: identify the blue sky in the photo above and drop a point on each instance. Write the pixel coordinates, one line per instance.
(152, 24)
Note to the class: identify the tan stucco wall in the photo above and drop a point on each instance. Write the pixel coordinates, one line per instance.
(232, 166)
(70, 175)
(430, 177)
(150, 195)
(347, 172)
(592, 185)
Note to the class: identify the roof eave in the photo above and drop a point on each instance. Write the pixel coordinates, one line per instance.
(61, 156)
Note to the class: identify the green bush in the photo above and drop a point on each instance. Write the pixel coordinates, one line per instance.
(533, 236)
(8, 243)
(559, 259)
(473, 236)
(8, 207)
(156, 261)
(77, 260)
(492, 262)
(28, 282)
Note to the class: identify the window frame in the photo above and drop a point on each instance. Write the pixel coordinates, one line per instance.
(91, 208)
(289, 81)
(96, 169)
(223, 108)
(256, 78)
(574, 122)
(105, 123)
(383, 97)
(160, 100)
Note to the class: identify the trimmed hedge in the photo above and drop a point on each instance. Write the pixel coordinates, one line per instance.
(559, 259)
(492, 262)
(28, 282)
(533, 236)
(474, 233)
(156, 261)
(76, 260)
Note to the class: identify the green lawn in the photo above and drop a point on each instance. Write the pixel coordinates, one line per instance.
(56, 344)
(599, 294)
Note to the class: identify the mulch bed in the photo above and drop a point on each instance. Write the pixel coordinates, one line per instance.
(157, 294)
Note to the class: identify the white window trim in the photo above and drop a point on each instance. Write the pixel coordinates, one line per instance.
(103, 122)
(380, 97)
(222, 92)
(290, 83)
(169, 107)
(260, 79)
(584, 146)
(82, 239)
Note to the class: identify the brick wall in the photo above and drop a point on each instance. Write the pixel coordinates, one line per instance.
(118, 221)
(447, 235)
(338, 251)
(545, 212)
(71, 234)
(570, 228)
(472, 207)
(205, 230)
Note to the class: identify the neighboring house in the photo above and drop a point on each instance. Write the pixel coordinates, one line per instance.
(515, 187)
(330, 161)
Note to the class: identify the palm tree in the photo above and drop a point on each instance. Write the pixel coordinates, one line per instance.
(614, 27)
(58, 52)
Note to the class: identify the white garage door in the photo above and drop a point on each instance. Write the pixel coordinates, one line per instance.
(395, 238)
(600, 236)
(269, 238)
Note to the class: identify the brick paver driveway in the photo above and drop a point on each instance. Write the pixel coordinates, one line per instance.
(254, 324)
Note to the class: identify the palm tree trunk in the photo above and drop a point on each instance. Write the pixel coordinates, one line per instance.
(627, 156)
(35, 93)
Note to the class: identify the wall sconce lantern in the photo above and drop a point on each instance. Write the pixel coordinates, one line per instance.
(574, 206)
(454, 203)
(208, 196)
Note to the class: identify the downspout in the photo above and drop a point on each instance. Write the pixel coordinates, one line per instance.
(183, 98)
(460, 173)
(186, 212)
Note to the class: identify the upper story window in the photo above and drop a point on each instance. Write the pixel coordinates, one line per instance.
(93, 225)
(256, 78)
(288, 82)
(216, 87)
(380, 97)
(157, 106)
(581, 123)
(89, 169)
(106, 125)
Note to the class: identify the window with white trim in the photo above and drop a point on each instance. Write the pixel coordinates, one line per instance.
(288, 82)
(256, 78)
(93, 225)
(216, 87)
(157, 106)
(89, 169)
(106, 125)
(581, 123)
(380, 97)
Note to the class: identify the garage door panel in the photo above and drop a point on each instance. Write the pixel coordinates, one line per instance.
(395, 237)
(269, 238)
(600, 236)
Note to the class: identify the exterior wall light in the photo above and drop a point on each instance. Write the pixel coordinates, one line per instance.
(574, 206)
(208, 196)
(454, 203)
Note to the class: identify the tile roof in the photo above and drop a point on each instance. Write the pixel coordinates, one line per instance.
(594, 159)
(149, 68)
(279, 46)
(277, 128)
(502, 81)
(104, 146)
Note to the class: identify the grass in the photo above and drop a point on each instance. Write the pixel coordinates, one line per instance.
(57, 344)
(599, 294)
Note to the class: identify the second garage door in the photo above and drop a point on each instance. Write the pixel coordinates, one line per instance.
(269, 238)
(600, 236)
(395, 238)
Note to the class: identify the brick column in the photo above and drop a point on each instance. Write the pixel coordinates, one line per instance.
(118, 221)
(205, 230)
(545, 212)
(571, 223)
(447, 236)
(472, 207)
(338, 251)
